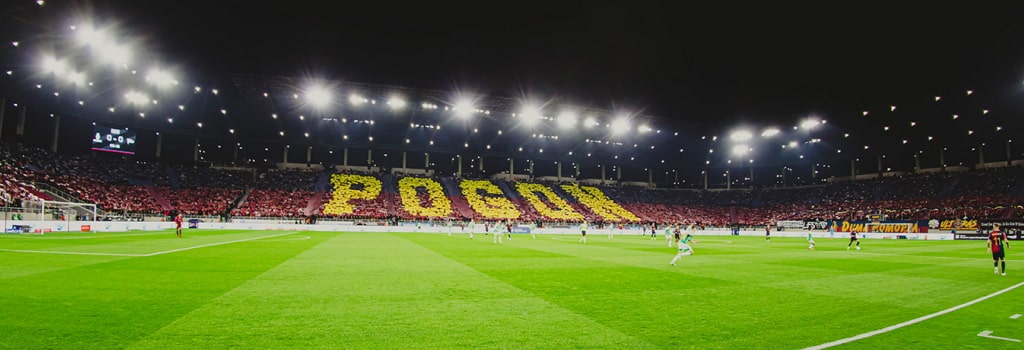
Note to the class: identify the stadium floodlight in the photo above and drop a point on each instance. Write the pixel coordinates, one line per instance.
(114, 54)
(76, 78)
(463, 108)
(809, 124)
(396, 102)
(590, 122)
(566, 119)
(531, 114)
(643, 129)
(88, 36)
(52, 65)
(318, 96)
(742, 135)
(770, 132)
(793, 144)
(356, 99)
(136, 98)
(620, 125)
(160, 78)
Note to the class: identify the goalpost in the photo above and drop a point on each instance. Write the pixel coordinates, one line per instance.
(47, 211)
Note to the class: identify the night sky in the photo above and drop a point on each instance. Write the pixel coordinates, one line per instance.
(670, 58)
(705, 67)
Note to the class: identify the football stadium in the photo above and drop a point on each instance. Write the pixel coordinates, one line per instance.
(189, 184)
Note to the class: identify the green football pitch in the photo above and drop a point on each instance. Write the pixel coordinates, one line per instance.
(305, 290)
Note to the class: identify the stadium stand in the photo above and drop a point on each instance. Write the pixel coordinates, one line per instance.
(128, 186)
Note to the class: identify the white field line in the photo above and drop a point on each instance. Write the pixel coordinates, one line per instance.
(925, 256)
(143, 255)
(218, 243)
(988, 334)
(68, 253)
(302, 238)
(911, 322)
(84, 237)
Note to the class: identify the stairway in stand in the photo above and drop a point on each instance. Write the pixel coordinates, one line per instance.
(314, 202)
(459, 203)
(164, 204)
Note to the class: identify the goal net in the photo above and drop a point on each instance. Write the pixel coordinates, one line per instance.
(44, 210)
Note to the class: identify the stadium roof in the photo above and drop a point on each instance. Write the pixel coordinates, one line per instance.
(886, 81)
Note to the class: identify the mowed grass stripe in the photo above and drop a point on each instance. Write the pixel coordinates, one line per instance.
(129, 243)
(735, 301)
(23, 255)
(379, 290)
(959, 329)
(373, 290)
(637, 292)
(98, 302)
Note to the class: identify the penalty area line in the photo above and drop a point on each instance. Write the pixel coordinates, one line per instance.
(911, 322)
(217, 244)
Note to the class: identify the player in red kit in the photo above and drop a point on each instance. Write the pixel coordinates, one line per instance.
(997, 245)
(177, 224)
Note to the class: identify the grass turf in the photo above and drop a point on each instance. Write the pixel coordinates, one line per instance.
(271, 289)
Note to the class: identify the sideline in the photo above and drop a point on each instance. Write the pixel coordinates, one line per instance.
(907, 323)
(218, 243)
(148, 254)
(90, 236)
(302, 238)
(924, 256)
(68, 253)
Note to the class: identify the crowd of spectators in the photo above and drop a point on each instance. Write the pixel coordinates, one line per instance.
(975, 194)
(279, 193)
(289, 180)
(120, 184)
(207, 201)
(273, 203)
(117, 197)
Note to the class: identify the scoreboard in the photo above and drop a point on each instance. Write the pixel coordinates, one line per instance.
(108, 139)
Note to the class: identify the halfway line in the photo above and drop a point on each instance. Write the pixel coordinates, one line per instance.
(907, 323)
